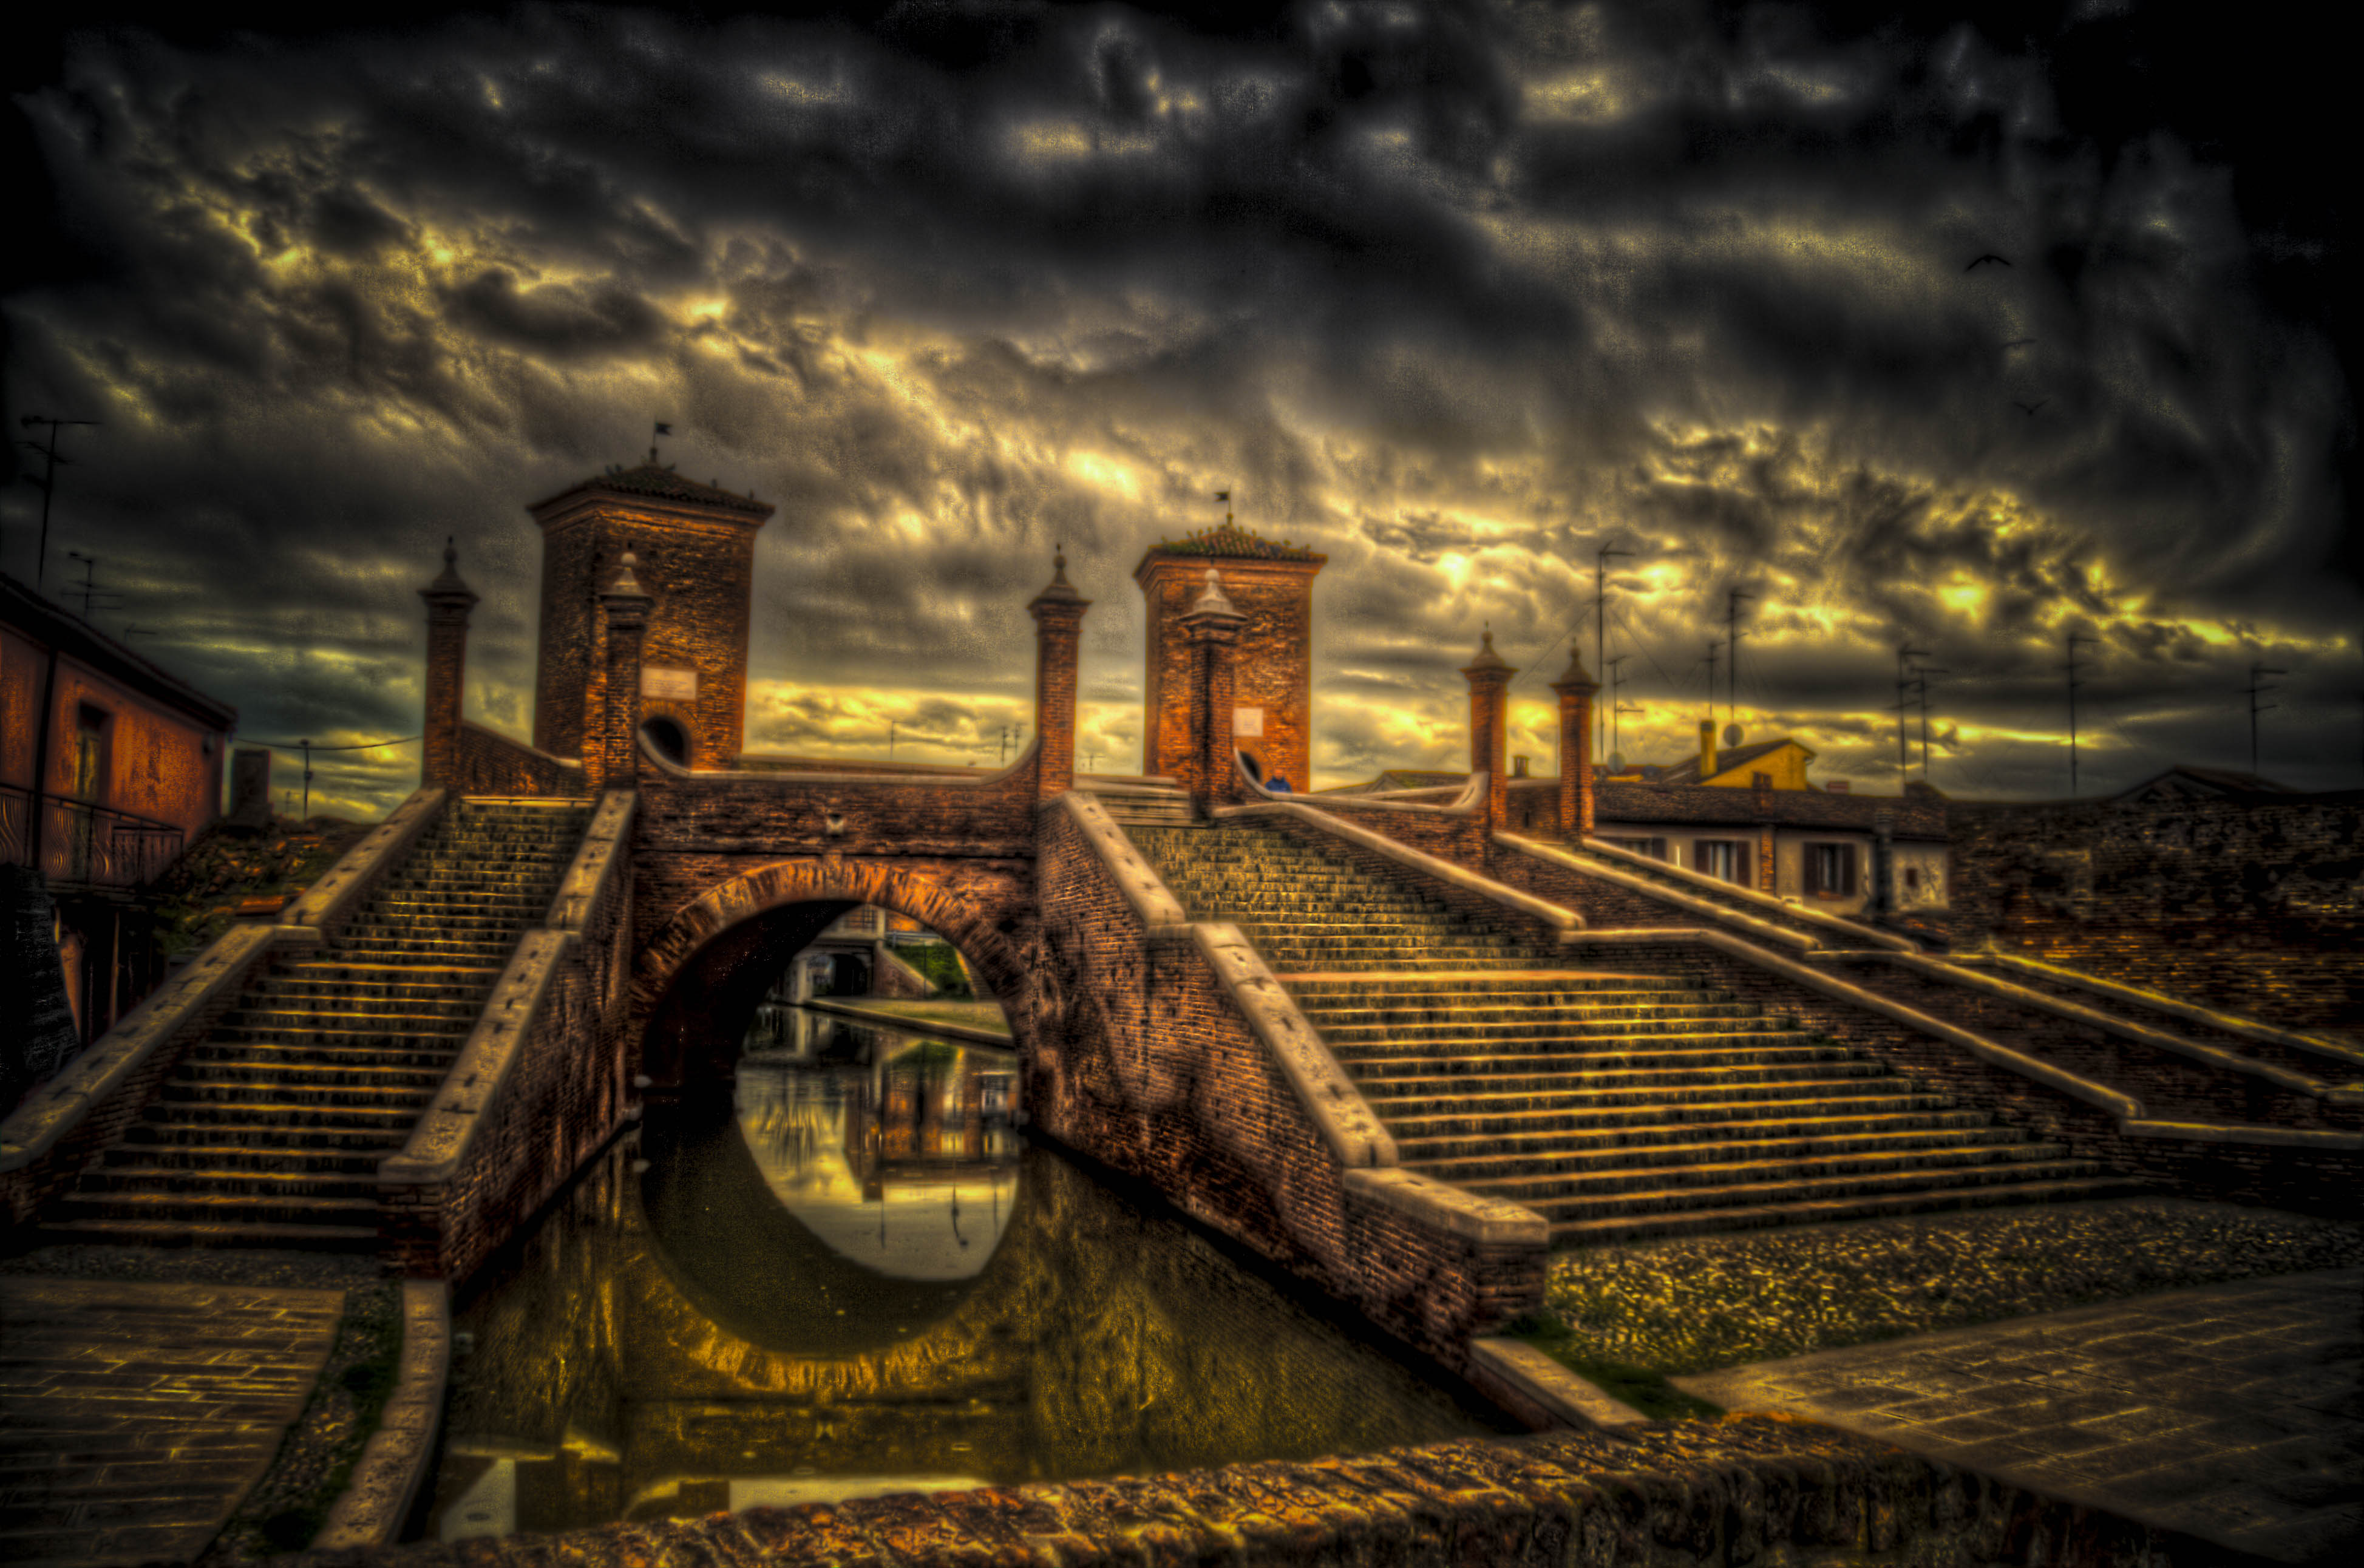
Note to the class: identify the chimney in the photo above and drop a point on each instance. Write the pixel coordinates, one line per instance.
(1707, 749)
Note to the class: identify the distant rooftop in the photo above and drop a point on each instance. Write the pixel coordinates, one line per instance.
(1228, 538)
(648, 478)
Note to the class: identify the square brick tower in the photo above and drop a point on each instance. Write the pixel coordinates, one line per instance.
(696, 545)
(1272, 586)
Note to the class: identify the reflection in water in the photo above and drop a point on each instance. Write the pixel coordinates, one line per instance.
(711, 1319)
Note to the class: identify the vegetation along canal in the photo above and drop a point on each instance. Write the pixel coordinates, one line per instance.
(852, 1274)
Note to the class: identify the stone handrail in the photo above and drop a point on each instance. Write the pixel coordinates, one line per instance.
(666, 767)
(1837, 924)
(2214, 1056)
(2230, 1023)
(1419, 861)
(1706, 909)
(444, 1137)
(1465, 804)
(328, 902)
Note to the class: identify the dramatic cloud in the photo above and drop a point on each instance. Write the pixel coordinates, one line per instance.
(1458, 295)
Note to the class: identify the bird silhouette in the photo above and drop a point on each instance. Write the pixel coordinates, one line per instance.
(2029, 408)
(1982, 261)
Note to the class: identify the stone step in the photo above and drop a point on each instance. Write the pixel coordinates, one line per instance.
(437, 1056)
(1552, 989)
(1611, 1082)
(287, 990)
(1491, 1155)
(1568, 1025)
(168, 1120)
(108, 1181)
(292, 1074)
(389, 950)
(219, 1207)
(169, 1232)
(1584, 1130)
(265, 1140)
(417, 1017)
(347, 970)
(447, 1035)
(1661, 1189)
(236, 1157)
(1694, 1048)
(292, 1097)
(1602, 1230)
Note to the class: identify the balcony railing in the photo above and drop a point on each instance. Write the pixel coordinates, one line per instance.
(86, 845)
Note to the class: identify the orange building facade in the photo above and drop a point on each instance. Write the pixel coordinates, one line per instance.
(110, 767)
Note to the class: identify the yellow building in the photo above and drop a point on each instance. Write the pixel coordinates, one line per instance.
(1781, 762)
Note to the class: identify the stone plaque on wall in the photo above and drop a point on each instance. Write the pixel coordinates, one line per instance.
(673, 685)
(1247, 721)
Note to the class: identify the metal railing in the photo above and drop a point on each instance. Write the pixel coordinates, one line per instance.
(87, 845)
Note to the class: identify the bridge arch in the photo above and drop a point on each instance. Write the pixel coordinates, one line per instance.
(728, 944)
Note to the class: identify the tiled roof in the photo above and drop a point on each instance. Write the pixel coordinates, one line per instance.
(1230, 539)
(29, 613)
(648, 478)
(2184, 779)
(1685, 804)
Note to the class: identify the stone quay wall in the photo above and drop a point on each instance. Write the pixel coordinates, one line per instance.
(1749, 1490)
(2249, 906)
(539, 1086)
(1149, 1064)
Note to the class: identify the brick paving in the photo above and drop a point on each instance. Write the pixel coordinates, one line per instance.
(134, 1415)
(2233, 1412)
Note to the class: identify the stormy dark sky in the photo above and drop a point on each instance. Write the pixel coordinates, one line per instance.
(1455, 295)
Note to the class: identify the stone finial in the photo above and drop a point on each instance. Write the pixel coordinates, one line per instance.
(1575, 677)
(450, 587)
(627, 585)
(1487, 661)
(1059, 590)
(1214, 601)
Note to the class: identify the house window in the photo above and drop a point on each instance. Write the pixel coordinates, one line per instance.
(1912, 879)
(1653, 848)
(1723, 858)
(1760, 781)
(1830, 871)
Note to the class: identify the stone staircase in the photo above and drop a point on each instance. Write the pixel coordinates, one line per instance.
(1152, 805)
(270, 1130)
(1616, 1105)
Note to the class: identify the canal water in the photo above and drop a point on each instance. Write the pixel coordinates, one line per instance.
(852, 1274)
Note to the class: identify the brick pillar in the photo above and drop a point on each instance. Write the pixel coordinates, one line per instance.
(1212, 632)
(1575, 687)
(1058, 612)
(614, 760)
(1768, 869)
(1489, 681)
(449, 601)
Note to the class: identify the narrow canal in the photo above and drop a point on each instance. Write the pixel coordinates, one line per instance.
(852, 1274)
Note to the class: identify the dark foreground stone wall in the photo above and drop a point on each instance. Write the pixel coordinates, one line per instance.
(1749, 1489)
(2257, 908)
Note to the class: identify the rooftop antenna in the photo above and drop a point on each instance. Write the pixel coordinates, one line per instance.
(1600, 611)
(1904, 657)
(1731, 640)
(1616, 685)
(91, 593)
(2073, 667)
(1714, 653)
(48, 483)
(1921, 674)
(2256, 671)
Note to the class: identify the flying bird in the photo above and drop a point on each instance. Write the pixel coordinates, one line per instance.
(2029, 408)
(1982, 261)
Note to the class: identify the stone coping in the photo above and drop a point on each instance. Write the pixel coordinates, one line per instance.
(666, 767)
(2214, 1056)
(1535, 1388)
(2124, 1107)
(1837, 924)
(915, 1025)
(1465, 803)
(55, 1109)
(1152, 903)
(331, 901)
(1746, 1489)
(536, 752)
(440, 1141)
(386, 1478)
(2231, 1023)
(605, 841)
(1420, 862)
(1438, 1206)
(1764, 931)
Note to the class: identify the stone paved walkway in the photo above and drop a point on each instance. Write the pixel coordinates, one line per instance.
(2233, 1412)
(135, 1415)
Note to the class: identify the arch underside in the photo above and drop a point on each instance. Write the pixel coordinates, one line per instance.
(698, 980)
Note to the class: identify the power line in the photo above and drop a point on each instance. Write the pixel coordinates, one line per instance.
(307, 746)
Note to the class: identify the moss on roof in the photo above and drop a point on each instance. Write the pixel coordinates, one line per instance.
(1229, 540)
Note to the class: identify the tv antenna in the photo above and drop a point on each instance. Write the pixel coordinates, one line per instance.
(1601, 622)
(48, 483)
(2256, 671)
(2073, 667)
(1904, 657)
(1921, 674)
(1732, 641)
(1616, 673)
(91, 593)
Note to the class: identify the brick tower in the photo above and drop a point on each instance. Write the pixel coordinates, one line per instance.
(1272, 586)
(695, 549)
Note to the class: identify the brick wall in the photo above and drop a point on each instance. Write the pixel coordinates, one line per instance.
(488, 763)
(1274, 660)
(1149, 1068)
(2255, 908)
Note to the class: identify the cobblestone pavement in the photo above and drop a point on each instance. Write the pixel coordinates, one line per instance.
(2233, 1412)
(134, 1415)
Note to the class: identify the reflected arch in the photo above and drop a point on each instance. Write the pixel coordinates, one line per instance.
(698, 979)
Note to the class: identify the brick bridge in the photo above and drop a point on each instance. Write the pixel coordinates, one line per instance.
(1394, 1045)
